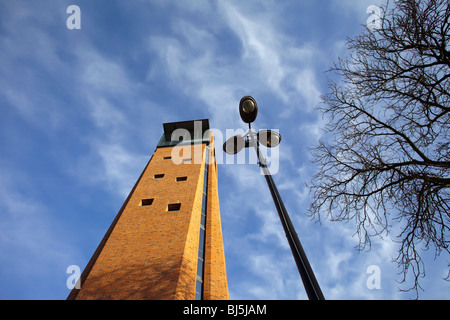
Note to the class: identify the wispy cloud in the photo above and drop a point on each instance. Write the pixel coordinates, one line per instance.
(267, 60)
(358, 7)
(111, 166)
(281, 65)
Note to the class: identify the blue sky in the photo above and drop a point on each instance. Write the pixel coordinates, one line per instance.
(82, 111)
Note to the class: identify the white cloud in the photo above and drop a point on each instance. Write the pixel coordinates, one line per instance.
(358, 7)
(306, 84)
(104, 114)
(104, 75)
(202, 6)
(111, 166)
(121, 168)
(194, 60)
(280, 65)
(260, 43)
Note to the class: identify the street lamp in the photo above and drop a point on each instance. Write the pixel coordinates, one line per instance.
(248, 109)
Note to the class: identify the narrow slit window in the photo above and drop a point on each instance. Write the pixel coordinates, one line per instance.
(167, 158)
(146, 202)
(158, 176)
(174, 207)
(181, 179)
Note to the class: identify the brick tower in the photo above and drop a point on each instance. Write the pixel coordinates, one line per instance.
(166, 241)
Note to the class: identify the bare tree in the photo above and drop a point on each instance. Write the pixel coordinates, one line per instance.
(384, 161)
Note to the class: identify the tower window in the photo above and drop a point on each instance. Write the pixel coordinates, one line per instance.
(158, 176)
(181, 179)
(146, 202)
(174, 207)
(167, 158)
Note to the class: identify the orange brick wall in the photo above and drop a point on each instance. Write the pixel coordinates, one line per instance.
(215, 285)
(152, 254)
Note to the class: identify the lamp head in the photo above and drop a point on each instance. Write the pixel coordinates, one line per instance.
(248, 109)
(234, 144)
(269, 138)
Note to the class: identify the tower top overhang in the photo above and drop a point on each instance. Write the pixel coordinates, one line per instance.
(185, 132)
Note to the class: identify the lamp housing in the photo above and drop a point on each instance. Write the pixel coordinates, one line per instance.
(234, 144)
(269, 138)
(248, 109)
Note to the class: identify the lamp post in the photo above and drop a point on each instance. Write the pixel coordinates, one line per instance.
(248, 110)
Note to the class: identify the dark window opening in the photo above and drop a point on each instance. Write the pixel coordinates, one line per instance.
(146, 202)
(159, 176)
(174, 207)
(181, 179)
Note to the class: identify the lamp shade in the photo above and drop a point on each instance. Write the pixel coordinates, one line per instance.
(269, 138)
(234, 144)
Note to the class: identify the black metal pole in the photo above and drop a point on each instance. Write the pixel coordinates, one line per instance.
(310, 283)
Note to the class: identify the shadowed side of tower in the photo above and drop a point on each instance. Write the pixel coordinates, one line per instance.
(166, 241)
(216, 285)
